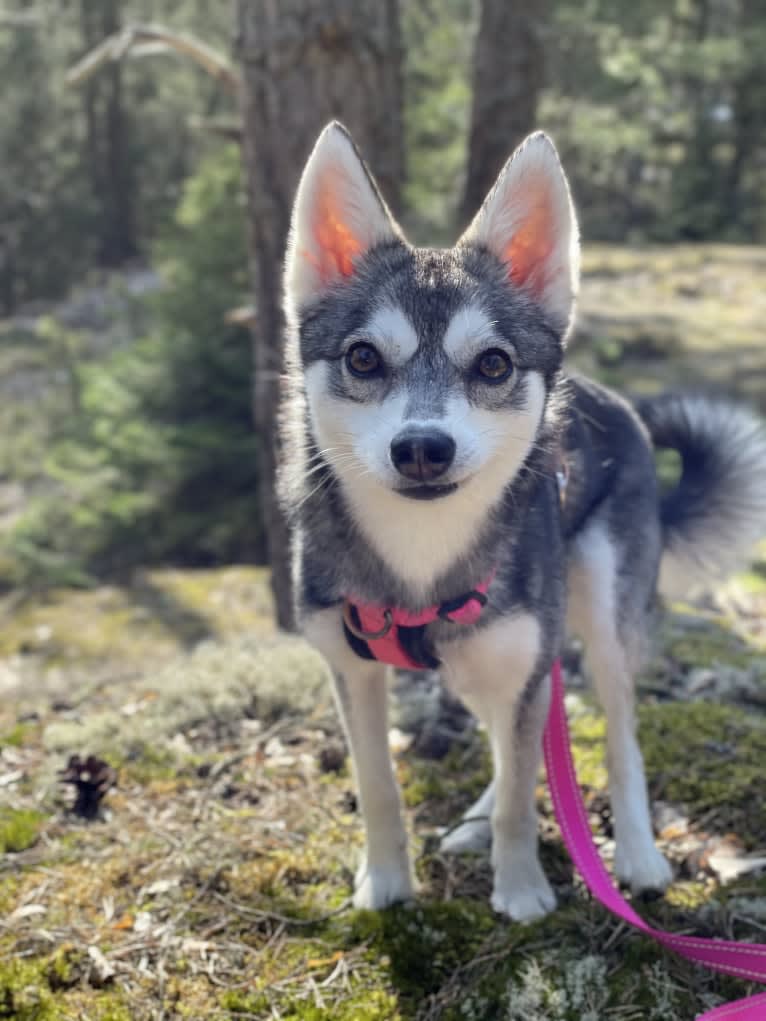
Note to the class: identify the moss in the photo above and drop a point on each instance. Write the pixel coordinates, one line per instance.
(66, 967)
(55, 988)
(588, 730)
(421, 782)
(146, 764)
(706, 644)
(9, 885)
(421, 945)
(17, 735)
(24, 994)
(361, 1005)
(19, 828)
(709, 758)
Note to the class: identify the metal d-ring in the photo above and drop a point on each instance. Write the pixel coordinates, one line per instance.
(367, 636)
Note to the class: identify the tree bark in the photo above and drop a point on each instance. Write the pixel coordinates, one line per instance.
(507, 78)
(112, 173)
(305, 63)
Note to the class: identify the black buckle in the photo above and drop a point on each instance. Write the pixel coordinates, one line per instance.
(452, 605)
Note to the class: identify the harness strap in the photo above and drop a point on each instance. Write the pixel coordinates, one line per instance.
(744, 960)
(398, 637)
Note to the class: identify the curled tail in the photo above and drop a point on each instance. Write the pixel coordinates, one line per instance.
(716, 513)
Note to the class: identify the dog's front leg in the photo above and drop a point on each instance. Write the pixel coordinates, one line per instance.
(360, 692)
(495, 672)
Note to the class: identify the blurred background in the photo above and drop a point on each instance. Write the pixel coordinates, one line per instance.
(150, 153)
(126, 359)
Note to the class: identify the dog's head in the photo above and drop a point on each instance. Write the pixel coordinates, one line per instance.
(427, 371)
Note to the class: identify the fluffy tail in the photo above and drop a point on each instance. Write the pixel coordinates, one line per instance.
(716, 513)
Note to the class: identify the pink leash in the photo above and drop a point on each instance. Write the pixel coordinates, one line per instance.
(744, 960)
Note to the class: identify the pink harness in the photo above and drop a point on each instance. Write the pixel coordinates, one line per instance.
(744, 960)
(395, 636)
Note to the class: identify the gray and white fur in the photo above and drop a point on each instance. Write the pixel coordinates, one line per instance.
(425, 416)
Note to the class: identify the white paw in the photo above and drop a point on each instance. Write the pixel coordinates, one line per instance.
(468, 836)
(524, 903)
(521, 890)
(377, 886)
(642, 867)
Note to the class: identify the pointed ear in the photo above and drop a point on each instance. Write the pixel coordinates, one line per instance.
(338, 216)
(529, 223)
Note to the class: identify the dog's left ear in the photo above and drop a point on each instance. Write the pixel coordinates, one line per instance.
(338, 216)
(529, 223)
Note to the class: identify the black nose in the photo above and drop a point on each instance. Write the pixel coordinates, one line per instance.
(422, 456)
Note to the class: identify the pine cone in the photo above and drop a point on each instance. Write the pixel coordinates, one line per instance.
(92, 778)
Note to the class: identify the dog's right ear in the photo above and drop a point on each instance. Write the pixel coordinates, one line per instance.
(338, 216)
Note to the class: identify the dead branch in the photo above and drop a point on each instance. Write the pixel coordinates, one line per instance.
(146, 40)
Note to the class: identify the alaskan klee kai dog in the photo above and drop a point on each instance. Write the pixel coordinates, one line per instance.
(457, 501)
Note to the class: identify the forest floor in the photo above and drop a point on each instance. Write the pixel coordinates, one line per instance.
(215, 881)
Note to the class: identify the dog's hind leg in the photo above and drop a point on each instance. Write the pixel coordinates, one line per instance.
(474, 833)
(361, 695)
(493, 671)
(612, 655)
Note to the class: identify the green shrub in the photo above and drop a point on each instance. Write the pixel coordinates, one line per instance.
(158, 462)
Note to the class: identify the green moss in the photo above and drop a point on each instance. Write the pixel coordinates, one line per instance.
(19, 828)
(422, 782)
(361, 1005)
(9, 885)
(17, 735)
(65, 967)
(55, 988)
(588, 729)
(710, 759)
(24, 994)
(146, 764)
(421, 945)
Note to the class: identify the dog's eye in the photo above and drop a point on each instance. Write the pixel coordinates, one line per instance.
(494, 365)
(363, 360)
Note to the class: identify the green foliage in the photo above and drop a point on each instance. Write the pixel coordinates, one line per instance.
(651, 104)
(657, 109)
(437, 99)
(83, 164)
(157, 461)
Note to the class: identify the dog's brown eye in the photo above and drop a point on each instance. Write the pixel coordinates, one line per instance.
(363, 360)
(494, 365)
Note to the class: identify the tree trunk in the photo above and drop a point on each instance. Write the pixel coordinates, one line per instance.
(305, 63)
(749, 124)
(507, 78)
(112, 173)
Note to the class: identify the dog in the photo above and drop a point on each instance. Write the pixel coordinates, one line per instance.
(456, 500)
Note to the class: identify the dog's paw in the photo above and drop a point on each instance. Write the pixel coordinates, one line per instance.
(521, 890)
(642, 868)
(377, 886)
(522, 902)
(468, 836)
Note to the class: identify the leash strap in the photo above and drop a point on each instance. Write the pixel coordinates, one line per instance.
(744, 960)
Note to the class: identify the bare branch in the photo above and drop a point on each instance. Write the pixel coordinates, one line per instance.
(144, 40)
